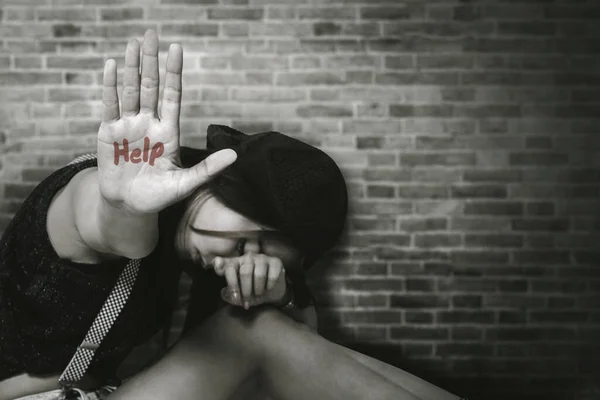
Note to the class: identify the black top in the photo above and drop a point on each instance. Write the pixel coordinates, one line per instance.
(47, 304)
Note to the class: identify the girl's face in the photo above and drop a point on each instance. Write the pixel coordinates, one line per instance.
(209, 229)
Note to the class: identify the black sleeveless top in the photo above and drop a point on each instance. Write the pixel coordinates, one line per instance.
(47, 304)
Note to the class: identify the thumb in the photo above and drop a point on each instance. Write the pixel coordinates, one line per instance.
(204, 171)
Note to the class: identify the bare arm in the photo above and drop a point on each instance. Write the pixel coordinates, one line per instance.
(109, 229)
(112, 210)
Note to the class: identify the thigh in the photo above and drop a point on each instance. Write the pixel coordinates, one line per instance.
(251, 389)
(211, 361)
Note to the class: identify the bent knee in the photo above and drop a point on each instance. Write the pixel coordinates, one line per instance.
(236, 326)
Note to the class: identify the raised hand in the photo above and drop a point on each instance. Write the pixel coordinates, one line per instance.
(138, 153)
(252, 279)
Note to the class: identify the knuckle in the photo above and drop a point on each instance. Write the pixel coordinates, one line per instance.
(205, 170)
(149, 82)
(109, 102)
(130, 89)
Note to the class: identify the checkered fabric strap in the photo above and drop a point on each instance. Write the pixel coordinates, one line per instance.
(88, 156)
(102, 324)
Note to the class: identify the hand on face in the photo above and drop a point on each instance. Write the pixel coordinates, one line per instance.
(252, 279)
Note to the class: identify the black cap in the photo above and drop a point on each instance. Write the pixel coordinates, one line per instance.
(282, 183)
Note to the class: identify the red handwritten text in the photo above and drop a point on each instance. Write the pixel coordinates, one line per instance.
(156, 152)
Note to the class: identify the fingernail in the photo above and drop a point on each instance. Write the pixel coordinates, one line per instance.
(230, 296)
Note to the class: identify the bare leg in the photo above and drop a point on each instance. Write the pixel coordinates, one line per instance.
(211, 362)
(415, 385)
(294, 363)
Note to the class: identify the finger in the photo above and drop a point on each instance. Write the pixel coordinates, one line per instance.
(246, 273)
(191, 178)
(110, 98)
(231, 298)
(231, 276)
(171, 102)
(131, 79)
(275, 270)
(149, 82)
(260, 276)
(220, 264)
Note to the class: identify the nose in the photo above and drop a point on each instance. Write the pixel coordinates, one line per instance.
(252, 245)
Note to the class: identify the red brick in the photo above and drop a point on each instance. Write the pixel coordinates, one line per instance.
(378, 160)
(437, 240)
(326, 28)
(418, 317)
(236, 13)
(420, 285)
(419, 333)
(367, 334)
(466, 333)
(422, 224)
(558, 316)
(374, 285)
(308, 78)
(494, 240)
(465, 317)
(381, 191)
(539, 241)
(507, 208)
(492, 175)
(430, 159)
(316, 111)
(385, 13)
(372, 300)
(29, 78)
(418, 301)
(18, 190)
(538, 159)
(119, 14)
(66, 14)
(479, 224)
(413, 78)
(190, 29)
(545, 257)
(463, 349)
(466, 301)
(372, 316)
(333, 12)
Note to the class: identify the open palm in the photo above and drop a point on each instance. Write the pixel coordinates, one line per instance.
(138, 153)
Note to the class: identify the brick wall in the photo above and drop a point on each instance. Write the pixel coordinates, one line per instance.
(468, 132)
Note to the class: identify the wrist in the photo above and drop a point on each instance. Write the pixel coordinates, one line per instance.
(287, 300)
(125, 233)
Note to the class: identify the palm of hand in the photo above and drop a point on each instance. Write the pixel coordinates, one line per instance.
(147, 186)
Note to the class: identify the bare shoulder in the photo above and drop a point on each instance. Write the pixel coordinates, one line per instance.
(65, 237)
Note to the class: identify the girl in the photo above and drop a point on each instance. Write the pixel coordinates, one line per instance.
(255, 210)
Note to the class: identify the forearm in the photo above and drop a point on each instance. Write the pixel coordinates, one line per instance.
(109, 229)
(132, 236)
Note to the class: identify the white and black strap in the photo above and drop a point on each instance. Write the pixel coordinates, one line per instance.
(108, 314)
(104, 320)
(83, 157)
